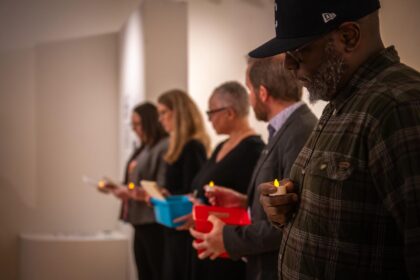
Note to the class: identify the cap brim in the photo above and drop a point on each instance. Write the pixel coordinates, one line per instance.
(276, 46)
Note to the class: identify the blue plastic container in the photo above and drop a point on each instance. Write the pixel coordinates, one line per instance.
(173, 207)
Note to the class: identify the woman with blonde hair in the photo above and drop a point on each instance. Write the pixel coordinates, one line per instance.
(187, 152)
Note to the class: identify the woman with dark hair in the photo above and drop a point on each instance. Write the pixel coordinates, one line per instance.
(146, 163)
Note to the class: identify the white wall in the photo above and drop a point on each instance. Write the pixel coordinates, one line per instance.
(24, 24)
(131, 82)
(58, 117)
(58, 122)
(76, 131)
(400, 24)
(17, 152)
(220, 35)
(165, 40)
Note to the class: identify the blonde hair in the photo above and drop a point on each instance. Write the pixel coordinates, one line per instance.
(188, 123)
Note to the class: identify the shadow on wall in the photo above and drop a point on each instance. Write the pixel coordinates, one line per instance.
(12, 210)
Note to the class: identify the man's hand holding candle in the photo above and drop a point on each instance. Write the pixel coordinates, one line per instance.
(278, 207)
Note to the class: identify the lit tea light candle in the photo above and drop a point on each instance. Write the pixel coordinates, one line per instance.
(209, 187)
(101, 184)
(131, 186)
(281, 189)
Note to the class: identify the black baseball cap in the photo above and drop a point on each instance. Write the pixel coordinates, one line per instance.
(297, 22)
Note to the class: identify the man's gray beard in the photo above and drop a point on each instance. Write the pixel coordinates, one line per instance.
(323, 85)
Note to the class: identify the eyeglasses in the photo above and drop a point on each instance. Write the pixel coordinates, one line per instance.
(211, 112)
(296, 54)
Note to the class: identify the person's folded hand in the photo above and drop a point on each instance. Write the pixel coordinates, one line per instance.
(212, 243)
(279, 208)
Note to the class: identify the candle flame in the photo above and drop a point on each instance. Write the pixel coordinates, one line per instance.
(211, 184)
(131, 186)
(101, 183)
(276, 183)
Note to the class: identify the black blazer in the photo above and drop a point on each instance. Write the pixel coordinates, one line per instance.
(260, 241)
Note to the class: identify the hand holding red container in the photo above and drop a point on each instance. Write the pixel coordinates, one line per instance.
(209, 224)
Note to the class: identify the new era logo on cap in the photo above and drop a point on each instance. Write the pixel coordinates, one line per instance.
(328, 17)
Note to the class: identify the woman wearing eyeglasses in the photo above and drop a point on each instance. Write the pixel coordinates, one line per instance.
(231, 165)
(187, 152)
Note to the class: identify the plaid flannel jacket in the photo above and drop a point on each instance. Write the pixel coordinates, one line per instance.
(359, 182)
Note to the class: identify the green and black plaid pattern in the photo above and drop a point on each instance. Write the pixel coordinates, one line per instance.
(359, 182)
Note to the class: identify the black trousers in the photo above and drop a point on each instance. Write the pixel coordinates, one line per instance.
(148, 251)
(177, 259)
(218, 269)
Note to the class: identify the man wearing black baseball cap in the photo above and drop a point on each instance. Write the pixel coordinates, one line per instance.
(300, 21)
(357, 179)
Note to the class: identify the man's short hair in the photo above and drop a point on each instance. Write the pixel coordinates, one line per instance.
(233, 94)
(279, 82)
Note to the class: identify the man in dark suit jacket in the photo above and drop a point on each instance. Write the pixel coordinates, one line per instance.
(275, 97)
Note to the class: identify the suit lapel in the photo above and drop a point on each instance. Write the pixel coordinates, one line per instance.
(263, 158)
(269, 148)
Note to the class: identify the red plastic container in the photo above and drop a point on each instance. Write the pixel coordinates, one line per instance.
(230, 216)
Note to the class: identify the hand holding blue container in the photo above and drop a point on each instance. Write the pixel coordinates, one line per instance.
(167, 209)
